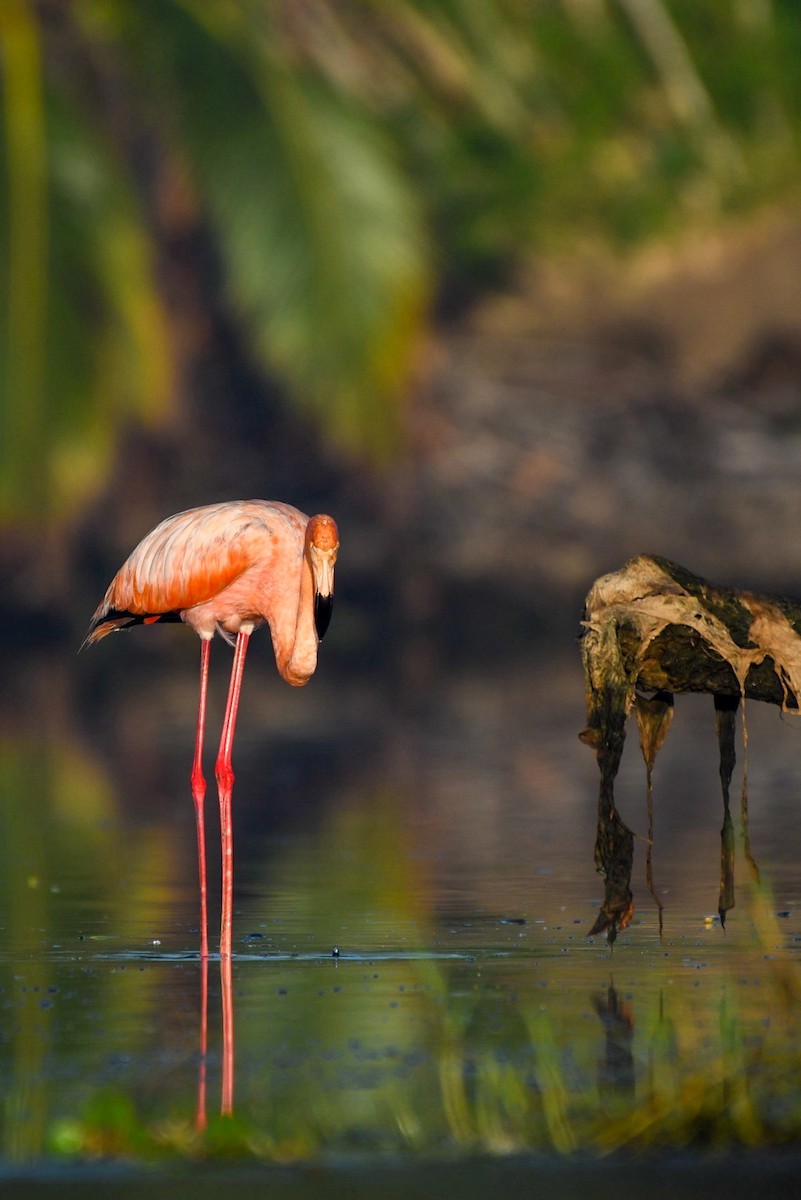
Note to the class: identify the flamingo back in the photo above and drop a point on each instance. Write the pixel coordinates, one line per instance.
(191, 557)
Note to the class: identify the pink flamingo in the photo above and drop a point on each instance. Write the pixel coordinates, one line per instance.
(226, 568)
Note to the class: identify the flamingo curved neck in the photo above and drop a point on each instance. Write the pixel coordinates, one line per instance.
(298, 663)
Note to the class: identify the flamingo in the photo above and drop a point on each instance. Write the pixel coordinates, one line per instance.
(227, 568)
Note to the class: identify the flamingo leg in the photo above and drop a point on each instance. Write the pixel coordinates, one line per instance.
(225, 783)
(198, 783)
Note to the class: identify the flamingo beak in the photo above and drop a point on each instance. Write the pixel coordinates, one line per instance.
(323, 607)
(323, 571)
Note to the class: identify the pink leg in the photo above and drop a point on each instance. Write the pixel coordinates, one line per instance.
(225, 783)
(199, 793)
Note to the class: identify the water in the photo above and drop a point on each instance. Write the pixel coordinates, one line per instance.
(412, 978)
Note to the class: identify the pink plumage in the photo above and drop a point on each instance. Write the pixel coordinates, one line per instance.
(228, 568)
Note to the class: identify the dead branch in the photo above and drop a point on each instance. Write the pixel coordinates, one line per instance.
(654, 629)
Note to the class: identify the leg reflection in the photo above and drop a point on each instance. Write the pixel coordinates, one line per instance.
(227, 1099)
(226, 992)
(200, 1116)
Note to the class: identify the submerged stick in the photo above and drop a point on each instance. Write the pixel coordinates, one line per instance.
(654, 717)
(652, 628)
(744, 826)
(725, 720)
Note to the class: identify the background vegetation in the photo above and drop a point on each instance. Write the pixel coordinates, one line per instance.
(328, 181)
(230, 232)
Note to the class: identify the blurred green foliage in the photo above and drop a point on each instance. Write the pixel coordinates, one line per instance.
(349, 165)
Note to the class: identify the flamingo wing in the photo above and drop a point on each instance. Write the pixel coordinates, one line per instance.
(186, 560)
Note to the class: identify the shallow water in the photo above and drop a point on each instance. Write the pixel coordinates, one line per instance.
(415, 883)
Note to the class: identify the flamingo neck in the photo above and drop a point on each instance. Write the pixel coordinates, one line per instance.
(299, 664)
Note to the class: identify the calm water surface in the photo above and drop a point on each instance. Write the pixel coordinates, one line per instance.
(414, 887)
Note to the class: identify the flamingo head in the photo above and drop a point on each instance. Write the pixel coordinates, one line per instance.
(322, 541)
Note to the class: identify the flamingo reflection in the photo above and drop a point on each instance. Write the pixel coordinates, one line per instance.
(227, 1006)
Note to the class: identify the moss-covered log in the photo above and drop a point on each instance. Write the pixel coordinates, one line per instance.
(654, 629)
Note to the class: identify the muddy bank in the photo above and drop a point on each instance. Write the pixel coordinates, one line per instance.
(586, 419)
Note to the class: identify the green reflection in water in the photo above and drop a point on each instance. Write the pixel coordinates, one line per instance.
(63, 879)
(419, 1038)
(448, 1079)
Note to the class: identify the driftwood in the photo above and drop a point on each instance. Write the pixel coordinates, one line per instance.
(654, 629)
